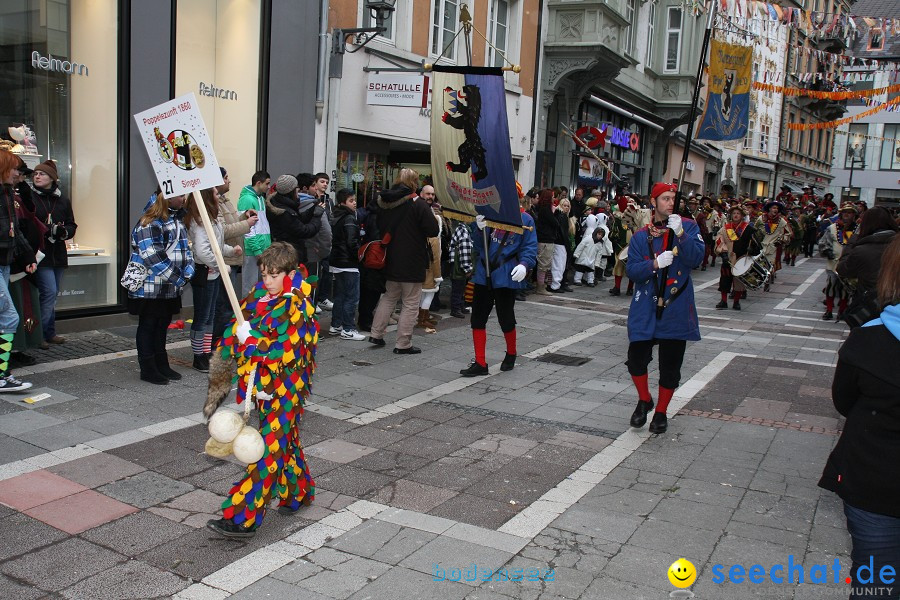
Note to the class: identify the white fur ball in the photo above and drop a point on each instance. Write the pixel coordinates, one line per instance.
(225, 425)
(217, 449)
(248, 446)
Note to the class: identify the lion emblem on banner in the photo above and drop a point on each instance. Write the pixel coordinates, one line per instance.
(464, 112)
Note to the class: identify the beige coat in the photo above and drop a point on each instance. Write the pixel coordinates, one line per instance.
(236, 227)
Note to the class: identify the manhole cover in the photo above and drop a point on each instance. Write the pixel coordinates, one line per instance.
(361, 363)
(563, 359)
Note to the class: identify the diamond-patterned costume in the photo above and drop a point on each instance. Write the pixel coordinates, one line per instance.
(281, 348)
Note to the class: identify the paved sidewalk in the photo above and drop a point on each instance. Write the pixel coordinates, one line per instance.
(429, 483)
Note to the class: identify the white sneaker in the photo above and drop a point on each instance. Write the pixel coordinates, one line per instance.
(326, 304)
(9, 383)
(335, 330)
(352, 334)
(318, 310)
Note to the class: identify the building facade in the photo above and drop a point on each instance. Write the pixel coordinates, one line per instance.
(363, 137)
(867, 152)
(75, 72)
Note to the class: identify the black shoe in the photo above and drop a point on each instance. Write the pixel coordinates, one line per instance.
(639, 416)
(201, 363)
(20, 359)
(827, 316)
(659, 424)
(556, 291)
(839, 317)
(578, 283)
(702, 267)
(520, 296)
(288, 511)
(150, 373)
(630, 291)
(230, 529)
(566, 288)
(457, 314)
(592, 284)
(722, 304)
(410, 350)
(474, 370)
(376, 341)
(615, 292)
(162, 365)
(737, 305)
(509, 362)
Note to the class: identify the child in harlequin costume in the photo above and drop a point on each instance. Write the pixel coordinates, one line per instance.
(510, 255)
(277, 345)
(660, 258)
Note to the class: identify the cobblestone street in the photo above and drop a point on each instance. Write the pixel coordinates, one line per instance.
(428, 483)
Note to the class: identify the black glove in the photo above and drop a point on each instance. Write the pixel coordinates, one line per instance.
(318, 211)
(58, 231)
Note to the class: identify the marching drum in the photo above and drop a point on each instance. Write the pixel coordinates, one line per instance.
(623, 255)
(753, 272)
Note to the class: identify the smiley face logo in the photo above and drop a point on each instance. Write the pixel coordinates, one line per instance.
(682, 573)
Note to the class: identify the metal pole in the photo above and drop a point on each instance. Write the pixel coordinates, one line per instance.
(693, 110)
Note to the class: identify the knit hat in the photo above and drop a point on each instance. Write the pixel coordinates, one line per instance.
(849, 207)
(661, 188)
(286, 184)
(49, 168)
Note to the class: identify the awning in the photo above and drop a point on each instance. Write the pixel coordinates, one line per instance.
(794, 188)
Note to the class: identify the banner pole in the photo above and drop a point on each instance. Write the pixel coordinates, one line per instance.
(692, 115)
(220, 260)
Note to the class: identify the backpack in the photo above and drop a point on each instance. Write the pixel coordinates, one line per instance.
(373, 255)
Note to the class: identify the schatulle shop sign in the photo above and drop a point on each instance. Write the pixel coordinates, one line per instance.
(397, 90)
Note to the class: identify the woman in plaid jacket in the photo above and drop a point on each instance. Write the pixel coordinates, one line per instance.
(160, 242)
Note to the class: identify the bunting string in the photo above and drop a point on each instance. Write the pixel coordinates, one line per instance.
(825, 95)
(845, 120)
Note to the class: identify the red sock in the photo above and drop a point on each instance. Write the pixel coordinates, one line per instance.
(630, 286)
(510, 337)
(829, 303)
(665, 394)
(618, 284)
(724, 296)
(736, 296)
(842, 305)
(643, 390)
(479, 338)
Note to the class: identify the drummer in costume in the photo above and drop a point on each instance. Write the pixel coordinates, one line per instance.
(732, 243)
(660, 259)
(772, 230)
(511, 256)
(831, 245)
(276, 346)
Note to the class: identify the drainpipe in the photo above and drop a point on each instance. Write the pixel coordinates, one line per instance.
(323, 59)
(536, 104)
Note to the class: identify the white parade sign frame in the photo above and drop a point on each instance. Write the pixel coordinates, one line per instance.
(179, 147)
(183, 115)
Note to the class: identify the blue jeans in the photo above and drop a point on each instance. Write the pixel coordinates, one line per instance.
(346, 297)
(9, 318)
(204, 307)
(325, 281)
(48, 282)
(876, 538)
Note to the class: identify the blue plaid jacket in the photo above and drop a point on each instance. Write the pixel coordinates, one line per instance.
(168, 272)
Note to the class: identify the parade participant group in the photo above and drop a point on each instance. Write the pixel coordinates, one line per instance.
(654, 242)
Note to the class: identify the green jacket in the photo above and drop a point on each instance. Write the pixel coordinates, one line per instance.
(259, 237)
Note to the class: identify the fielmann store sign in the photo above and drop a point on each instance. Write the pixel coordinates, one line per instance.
(397, 90)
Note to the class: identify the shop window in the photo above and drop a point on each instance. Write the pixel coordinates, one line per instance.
(217, 58)
(60, 89)
(499, 31)
(887, 197)
(445, 20)
(890, 148)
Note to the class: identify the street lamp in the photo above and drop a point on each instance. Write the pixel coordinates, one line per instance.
(380, 11)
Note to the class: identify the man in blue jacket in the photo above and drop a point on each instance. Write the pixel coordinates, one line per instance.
(660, 259)
(511, 256)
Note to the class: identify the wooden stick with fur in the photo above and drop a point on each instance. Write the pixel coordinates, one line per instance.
(221, 372)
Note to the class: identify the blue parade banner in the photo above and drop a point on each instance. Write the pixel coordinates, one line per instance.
(471, 159)
(727, 112)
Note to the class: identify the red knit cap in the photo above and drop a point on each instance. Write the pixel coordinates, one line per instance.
(661, 188)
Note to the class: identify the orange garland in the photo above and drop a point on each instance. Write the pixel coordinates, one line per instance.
(839, 122)
(779, 89)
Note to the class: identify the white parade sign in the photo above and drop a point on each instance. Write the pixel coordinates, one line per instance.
(397, 90)
(179, 147)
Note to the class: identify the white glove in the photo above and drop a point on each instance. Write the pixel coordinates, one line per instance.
(674, 224)
(518, 273)
(665, 259)
(479, 221)
(243, 332)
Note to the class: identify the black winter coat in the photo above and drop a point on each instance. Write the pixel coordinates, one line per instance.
(863, 468)
(287, 224)
(547, 226)
(862, 259)
(411, 222)
(52, 207)
(344, 238)
(15, 248)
